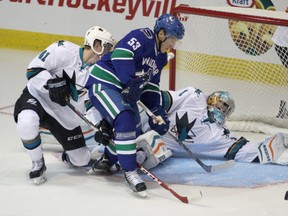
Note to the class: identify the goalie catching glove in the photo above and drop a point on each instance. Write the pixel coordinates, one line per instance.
(59, 92)
(160, 123)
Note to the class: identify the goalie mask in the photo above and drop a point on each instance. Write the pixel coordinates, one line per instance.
(220, 106)
(171, 25)
(101, 34)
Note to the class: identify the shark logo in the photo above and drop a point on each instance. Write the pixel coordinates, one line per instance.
(198, 92)
(183, 127)
(71, 83)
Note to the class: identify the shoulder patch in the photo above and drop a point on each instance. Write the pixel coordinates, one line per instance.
(147, 32)
(60, 42)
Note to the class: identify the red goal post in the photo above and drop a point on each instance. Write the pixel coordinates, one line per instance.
(229, 48)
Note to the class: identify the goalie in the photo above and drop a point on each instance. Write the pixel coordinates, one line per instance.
(198, 120)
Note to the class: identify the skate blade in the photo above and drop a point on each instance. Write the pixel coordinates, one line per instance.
(40, 180)
(98, 172)
(142, 194)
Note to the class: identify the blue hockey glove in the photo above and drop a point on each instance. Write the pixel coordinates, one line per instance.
(162, 126)
(132, 93)
(59, 92)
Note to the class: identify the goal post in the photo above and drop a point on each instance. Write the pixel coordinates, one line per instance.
(233, 49)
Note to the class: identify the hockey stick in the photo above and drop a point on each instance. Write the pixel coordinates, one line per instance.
(208, 168)
(81, 116)
(144, 170)
(194, 198)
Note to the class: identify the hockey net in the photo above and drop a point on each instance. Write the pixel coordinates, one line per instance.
(232, 49)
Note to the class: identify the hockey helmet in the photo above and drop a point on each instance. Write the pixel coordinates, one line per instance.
(171, 25)
(220, 105)
(99, 33)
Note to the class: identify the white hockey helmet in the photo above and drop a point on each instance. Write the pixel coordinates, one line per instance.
(99, 33)
(220, 106)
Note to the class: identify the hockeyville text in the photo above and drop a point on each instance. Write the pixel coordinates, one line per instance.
(129, 7)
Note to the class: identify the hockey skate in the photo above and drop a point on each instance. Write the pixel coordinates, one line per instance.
(104, 166)
(37, 173)
(135, 183)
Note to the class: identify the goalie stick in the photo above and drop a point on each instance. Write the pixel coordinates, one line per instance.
(194, 198)
(208, 168)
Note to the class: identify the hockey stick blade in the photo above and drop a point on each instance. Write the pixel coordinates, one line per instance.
(222, 166)
(208, 168)
(193, 198)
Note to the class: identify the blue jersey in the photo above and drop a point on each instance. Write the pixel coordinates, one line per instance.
(134, 55)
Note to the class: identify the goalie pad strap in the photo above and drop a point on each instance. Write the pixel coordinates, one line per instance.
(233, 150)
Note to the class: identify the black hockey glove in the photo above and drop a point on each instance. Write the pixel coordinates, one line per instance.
(59, 92)
(132, 93)
(159, 127)
(104, 134)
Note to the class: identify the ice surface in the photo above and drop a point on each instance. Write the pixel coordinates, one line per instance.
(71, 191)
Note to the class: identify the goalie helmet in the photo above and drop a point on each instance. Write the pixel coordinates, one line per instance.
(171, 25)
(220, 106)
(99, 33)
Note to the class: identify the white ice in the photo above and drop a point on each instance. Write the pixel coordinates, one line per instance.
(70, 191)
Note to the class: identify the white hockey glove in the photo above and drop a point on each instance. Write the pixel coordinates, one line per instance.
(274, 150)
(151, 150)
(160, 123)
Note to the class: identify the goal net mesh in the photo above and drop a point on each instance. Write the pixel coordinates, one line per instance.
(232, 49)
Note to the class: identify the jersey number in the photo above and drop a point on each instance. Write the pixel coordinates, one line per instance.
(134, 43)
(43, 55)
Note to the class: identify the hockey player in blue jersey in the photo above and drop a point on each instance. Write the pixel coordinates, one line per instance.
(122, 77)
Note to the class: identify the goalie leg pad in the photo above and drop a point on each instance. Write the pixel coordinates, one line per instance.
(154, 148)
(274, 150)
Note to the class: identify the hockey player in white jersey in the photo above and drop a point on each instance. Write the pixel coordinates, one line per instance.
(55, 76)
(198, 120)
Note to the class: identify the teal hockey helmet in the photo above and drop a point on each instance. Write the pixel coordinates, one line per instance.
(220, 105)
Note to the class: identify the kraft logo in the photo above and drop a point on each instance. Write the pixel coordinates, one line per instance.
(241, 3)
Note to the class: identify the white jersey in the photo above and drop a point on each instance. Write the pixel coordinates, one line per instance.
(59, 56)
(188, 116)
(280, 36)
